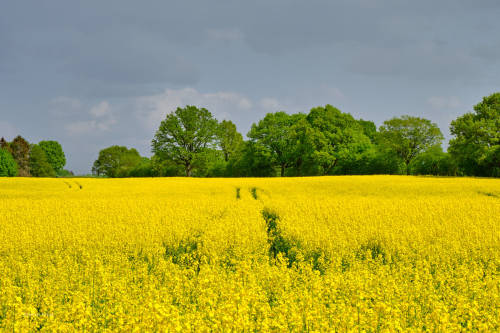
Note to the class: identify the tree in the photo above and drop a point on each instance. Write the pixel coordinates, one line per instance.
(143, 169)
(338, 136)
(5, 145)
(8, 166)
(55, 154)
(409, 136)
(20, 149)
(476, 142)
(228, 138)
(253, 160)
(274, 132)
(303, 138)
(434, 161)
(39, 164)
(116, 161)
(184, 135)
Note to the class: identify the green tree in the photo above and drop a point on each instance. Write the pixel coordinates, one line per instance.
(409, 136)
(55, 154)
(228, 138)
(338, 137)
(476, 142)
(39, 164)
(253, 160)
(185, 135)
(116, 161)
(303, 139)
(20, 149)
(275, 133)
(8, 166)
(143, 169)
(434, 161)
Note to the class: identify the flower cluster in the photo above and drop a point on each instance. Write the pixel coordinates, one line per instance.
(367, 253)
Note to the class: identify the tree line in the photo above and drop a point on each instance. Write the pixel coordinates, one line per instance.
(325, 141)
(20, 158)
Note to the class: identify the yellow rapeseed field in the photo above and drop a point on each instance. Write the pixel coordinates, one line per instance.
(364, 253)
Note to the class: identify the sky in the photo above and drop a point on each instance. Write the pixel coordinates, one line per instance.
(91, 74)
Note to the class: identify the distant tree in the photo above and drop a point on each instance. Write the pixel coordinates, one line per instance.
(66, 173)
(275, 133)
(476, 142)
(20, 149)
(143, 169)
(116, 161)
(185, 135)
(434, 161)
(5, 145)
(228, 138)
(39, 164)
(55, 154)
(409, 136)
(304, 138)
(165, 168)
(8, 166)
(253, 160)
(338, 137)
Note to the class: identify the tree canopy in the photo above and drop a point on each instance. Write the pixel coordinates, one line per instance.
(39, 164)
(8, 166)
(185, 135)
(409, 136)
(20, 149)
(228, 138)
(274, 132)
(339, 136)
(116, 161)
(55, 154)
(476, 142)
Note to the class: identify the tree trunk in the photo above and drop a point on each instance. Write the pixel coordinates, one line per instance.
(407, 168)
(282, 170)
(188, 170)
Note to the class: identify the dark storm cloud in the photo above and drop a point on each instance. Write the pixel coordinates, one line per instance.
(95, 73)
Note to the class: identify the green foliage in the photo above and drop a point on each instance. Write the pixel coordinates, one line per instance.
(275, 133)
(66, 173)
(39, 164)
(290, 248)
(253, 160)
(434, 162)
(55, 154)
(20, 149)
(165, 167)
(476, 145)
(409, 136)
(374, 249)
(209, 163)
(8, 166)
(187, 253)
(184, 135)
(369, 129)
(116, 161)
(338, 137)
(143, 169)
(228, 138)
